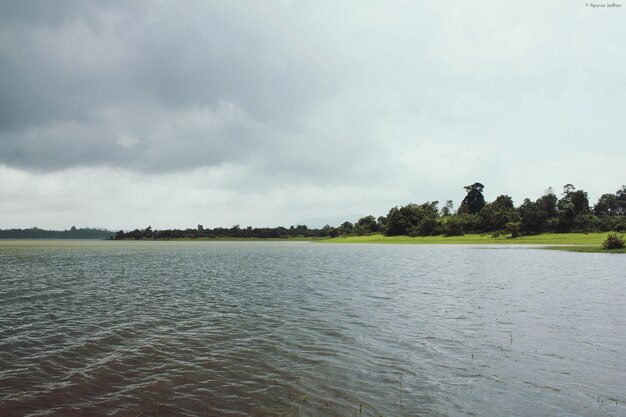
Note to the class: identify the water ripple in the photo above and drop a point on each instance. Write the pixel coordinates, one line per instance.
(299, 329)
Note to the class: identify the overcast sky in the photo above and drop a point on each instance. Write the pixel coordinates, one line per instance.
(124, 114)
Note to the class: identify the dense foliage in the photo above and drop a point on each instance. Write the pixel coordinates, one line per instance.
(571, 212)
(613, 241)
(221, 232)
(73, 233)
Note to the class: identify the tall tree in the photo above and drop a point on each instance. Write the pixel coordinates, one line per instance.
(474, 201)
(494, 216)
(547, 203)
(413, 219)
(533, 217)
(607, 205)
(447, 209)
(621, 199)
(577, 198)
(366, 225)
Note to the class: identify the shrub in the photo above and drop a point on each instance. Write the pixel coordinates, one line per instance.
(513, 229)
(413, 231)
(454, 227)
(613, 241)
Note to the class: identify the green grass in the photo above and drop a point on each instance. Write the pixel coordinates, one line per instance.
(575, 242)
(542, 239)
(246, 239)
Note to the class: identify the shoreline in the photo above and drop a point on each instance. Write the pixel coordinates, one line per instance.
(571, 242)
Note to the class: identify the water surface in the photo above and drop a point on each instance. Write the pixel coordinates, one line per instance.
(305, 329)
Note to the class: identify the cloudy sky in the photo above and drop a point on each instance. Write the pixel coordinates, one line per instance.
(124, 114)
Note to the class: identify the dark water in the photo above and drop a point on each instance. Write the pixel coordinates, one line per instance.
(303, 329)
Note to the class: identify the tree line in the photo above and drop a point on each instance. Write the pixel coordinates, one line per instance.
(571, 212)
(72, 233)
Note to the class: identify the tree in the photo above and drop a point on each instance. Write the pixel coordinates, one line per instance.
(513, 228)
(494, 216)
(503, 202)
(397, 221)
(474, 201)
(607, 205)
(454, 227)
(568, 188)
(412, 219)
(366, 225)
(621, 199)
(567, 215)
(448, 209)
(533, 217)
(547, 203)
(381, 224)
(572, 203)
(578, 199)
(345, 228)
(329, 231)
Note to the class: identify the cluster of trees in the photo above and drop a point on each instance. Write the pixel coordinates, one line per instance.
(73, 233)
(222, 232)
(571, 212)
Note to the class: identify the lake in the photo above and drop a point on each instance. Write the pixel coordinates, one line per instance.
(98, 328)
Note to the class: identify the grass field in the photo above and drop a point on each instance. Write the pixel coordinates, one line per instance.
(576, 242)
(249, 239)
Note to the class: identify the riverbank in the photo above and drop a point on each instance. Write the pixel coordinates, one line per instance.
(247, 239)
(574, 242)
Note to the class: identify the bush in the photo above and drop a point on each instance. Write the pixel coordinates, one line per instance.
(413, 231)
(453, 227)
(512, 228)
(613, 241)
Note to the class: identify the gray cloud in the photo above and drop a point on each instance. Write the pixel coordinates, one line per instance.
(77, 80)
(419, 97)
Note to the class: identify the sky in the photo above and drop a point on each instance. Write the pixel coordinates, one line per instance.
(125, 114)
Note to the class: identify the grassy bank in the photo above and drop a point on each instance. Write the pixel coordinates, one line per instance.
(577, 242)
(247, 239)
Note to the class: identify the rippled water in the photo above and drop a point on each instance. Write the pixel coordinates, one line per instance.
(305, 329)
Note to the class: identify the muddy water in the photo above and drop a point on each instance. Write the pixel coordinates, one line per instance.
(306, 329)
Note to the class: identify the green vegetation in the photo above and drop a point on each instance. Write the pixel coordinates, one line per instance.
(549, 220)
(613, 241)
(251, 239)
(72, 233)
(301, 232)
(542, 239)
(571, 242)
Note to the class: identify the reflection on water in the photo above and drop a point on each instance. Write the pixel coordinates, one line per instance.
(302, 329)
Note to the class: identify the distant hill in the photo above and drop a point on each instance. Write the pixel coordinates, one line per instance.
(73, 233)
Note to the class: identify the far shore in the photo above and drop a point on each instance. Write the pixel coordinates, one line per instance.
(573, 242)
